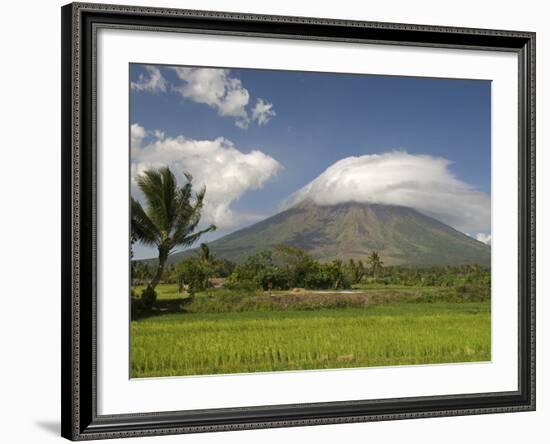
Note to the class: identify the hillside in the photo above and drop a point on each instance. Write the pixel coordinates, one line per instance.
(401, 235)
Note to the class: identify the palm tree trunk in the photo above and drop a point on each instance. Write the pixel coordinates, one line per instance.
(163, 256)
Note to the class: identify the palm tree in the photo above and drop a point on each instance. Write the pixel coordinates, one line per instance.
(357, 270)
(205, 255)
(170, 218)
(374, 261)
(337, 273)
(207, 260)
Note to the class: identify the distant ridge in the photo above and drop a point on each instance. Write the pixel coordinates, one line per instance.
(401, 235)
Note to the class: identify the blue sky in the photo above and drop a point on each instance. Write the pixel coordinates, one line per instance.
(299, 124)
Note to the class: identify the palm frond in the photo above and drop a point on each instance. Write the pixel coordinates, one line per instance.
(158, 186)
(192, 238)
(172, 213)
(169, 189)
(188, 218)
(142, 226)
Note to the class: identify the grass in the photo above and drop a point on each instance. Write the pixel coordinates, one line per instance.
(389, 332)
(165, 292)
(222, 300)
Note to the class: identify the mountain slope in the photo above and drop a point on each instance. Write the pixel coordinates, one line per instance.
(401, 235)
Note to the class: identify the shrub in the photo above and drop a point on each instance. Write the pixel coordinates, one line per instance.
(148, 297)
(194, 273)
(234, 282)
(473, 292)
(136, 307)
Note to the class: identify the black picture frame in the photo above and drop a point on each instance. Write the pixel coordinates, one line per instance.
(80, 420)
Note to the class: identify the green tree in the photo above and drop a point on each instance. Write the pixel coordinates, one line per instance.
(356, 270)
(375, 263)
(169, 220)
(336, 272)
(207, 260)
(223, 268)
(259, 271)
(297, 263)
(140, 271)
(205, 256)
(192, 272)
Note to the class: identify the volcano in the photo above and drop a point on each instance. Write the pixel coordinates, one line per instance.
(401, 236)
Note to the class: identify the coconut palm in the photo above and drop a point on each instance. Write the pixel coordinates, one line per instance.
(170, 218)
(374, 262)
(205, 255)
(207, 261)
(337, 271)
(357, 270)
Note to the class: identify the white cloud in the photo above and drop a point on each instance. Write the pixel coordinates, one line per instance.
(214, 87)
(217, 164)
(153, 82)
(217, 89)
(485, 238)
(422, 182)
(263, 112)
(137, 134)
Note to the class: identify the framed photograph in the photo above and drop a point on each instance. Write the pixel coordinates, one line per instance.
(283, 221)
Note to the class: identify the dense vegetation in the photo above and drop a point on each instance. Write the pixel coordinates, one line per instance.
(285, 268)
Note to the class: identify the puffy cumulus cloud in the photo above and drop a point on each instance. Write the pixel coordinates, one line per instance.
(214, 87)
(217, 164)
(263, 112)
(217, 89)
(485, 238)
(422, 182)
(152, 82)
(137, 134)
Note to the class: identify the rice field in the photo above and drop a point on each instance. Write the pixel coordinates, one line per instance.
(260, 341)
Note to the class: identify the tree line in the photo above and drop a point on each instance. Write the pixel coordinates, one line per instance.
(286, 267)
